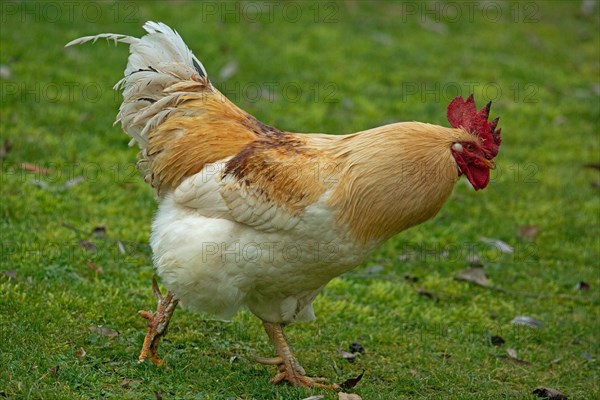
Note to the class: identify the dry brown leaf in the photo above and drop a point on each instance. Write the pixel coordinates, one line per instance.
(512, 357)
(528, 232)
(89, 246)
(348, 396)
(80, 353)
(5, 148)
(54, 370)
(473, 275)
(36, 168)
(91, 265)
(350, 383)
(12, 275)
(130, 383)
(514, 360)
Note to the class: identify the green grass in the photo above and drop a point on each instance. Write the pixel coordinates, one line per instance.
(339, 68)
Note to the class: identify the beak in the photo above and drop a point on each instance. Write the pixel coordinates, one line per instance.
(489, 163)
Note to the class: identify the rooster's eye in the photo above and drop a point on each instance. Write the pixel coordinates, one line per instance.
(469, 147)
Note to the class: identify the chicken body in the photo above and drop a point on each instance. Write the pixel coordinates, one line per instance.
(253, 216)
(218, 250)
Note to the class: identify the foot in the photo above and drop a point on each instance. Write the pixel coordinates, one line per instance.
(290, 369)
(158, 322)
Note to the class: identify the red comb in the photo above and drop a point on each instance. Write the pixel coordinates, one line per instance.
(463, 113)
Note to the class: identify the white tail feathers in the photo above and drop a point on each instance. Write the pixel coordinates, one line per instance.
(156, 62)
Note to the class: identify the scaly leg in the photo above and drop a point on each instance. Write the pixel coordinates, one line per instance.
(289, 368)
(158, 322)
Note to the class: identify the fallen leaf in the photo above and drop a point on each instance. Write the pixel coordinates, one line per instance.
(350, 383)
(498, 244)
(348, 396)
(228, 70)
(9, 274)
(473, 275)
(89, 246)
(549, 393)
(514, 360)
(512, 356)
(102, 330)
(588, 356)
(91, 265)
(426, 293)
(121, 247)
(130, 383)
(72, 182)
(583, 286)
(80, 353)
(356, 348)
(527, 321)
(497, 340)
(54, 370)
(592, 165)
(317, 397)
(512, 353)
(5, 148)
(99, 231)
(348, 356)
(41, 184)
(528, 232)
(5, 72)
(36, 168)
(556, 361)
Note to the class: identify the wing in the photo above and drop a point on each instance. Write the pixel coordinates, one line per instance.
(267, 185)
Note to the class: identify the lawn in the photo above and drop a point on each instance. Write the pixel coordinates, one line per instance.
(76, 215)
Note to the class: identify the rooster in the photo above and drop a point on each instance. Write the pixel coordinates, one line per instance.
(253, 216)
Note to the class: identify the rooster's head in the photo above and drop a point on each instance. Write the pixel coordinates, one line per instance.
(474, 157)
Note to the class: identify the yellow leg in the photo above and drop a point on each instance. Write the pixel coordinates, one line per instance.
(158, 322)
(290, 369)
